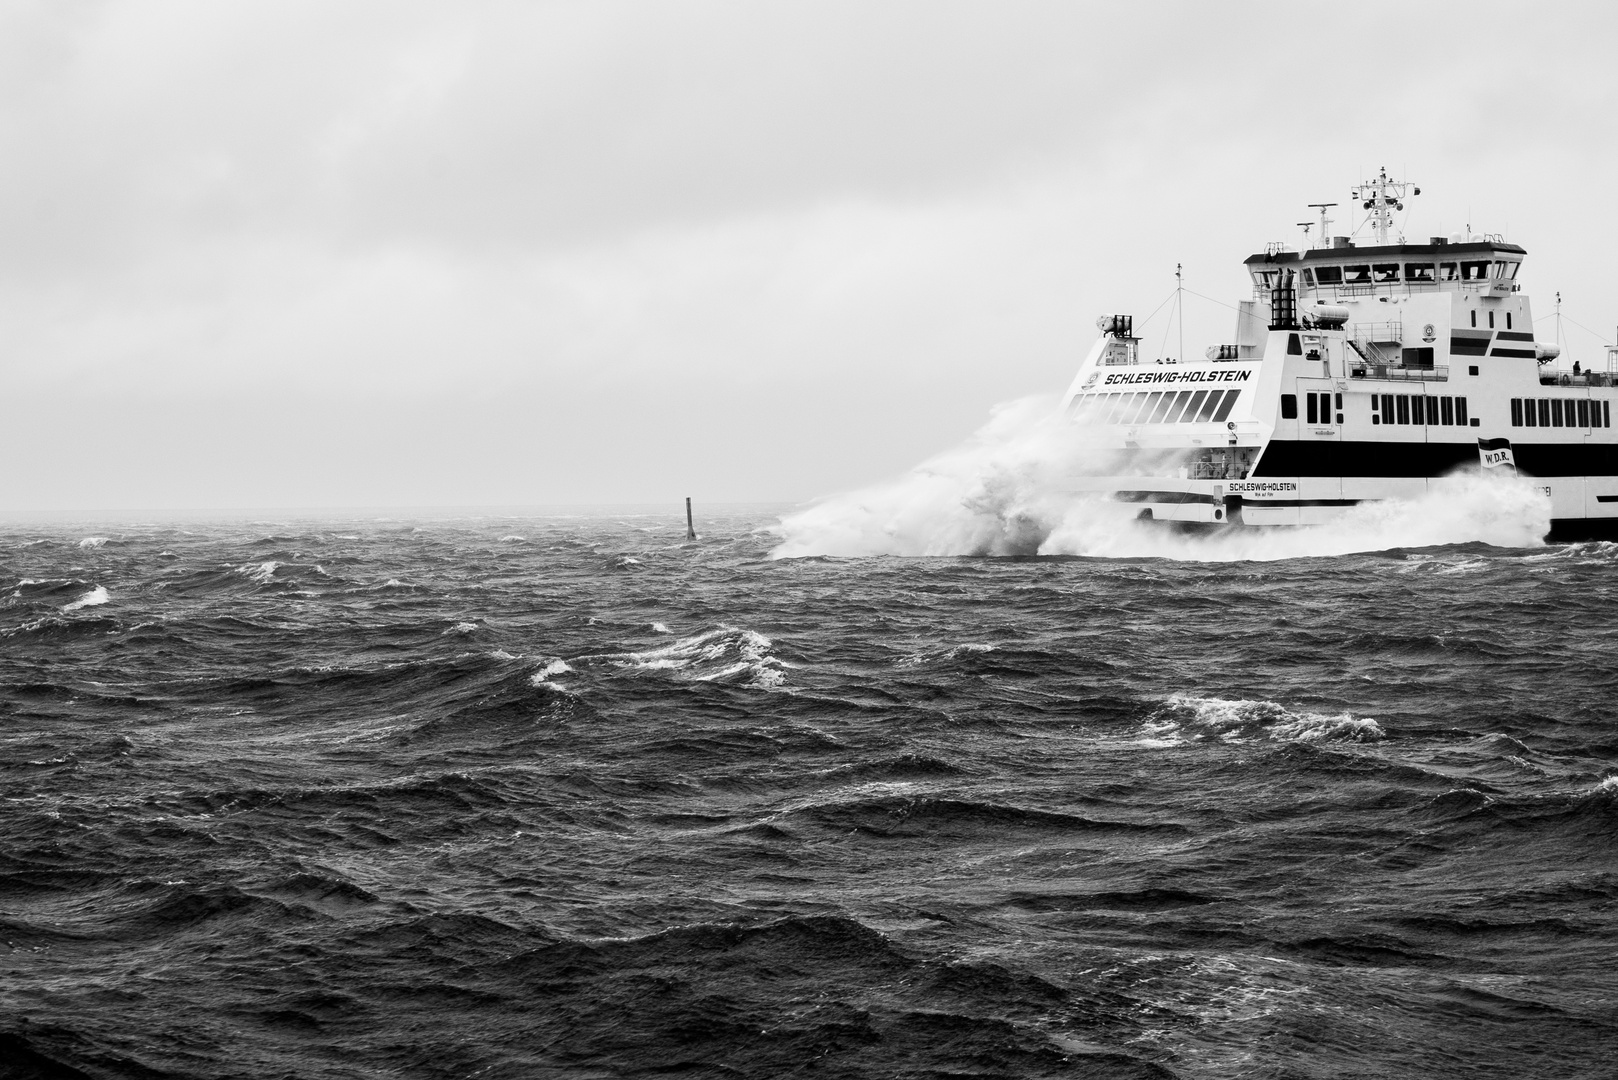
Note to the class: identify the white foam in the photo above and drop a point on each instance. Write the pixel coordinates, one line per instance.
(727, 654)
(461, 628)
(514, 539)
(94, 598)
(92, 541)
(660, 628)
(259, 572)
(1008, 491)
(501, 654)
(552, 668)
(1187, 718)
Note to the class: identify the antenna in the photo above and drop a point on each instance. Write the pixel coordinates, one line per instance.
(1382, 197)
(1325, 222)
(1179, 311)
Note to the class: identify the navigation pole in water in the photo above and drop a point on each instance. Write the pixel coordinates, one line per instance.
(690, 529)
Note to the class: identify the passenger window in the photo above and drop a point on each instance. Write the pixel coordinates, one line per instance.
(1508, 320)
(1418, 272)
(1584, 413)
(1446, 409)
(1491, 320)
(1311, 414)
(1530, 415)
(1385, 272)
(1544, 412)
(1289, 406)
(1516, 412)
(1402, 405)
(1376, 416)
(1173, 415)
(1226, 405)
(1191, 409)
(1329, 275)
(1460, 411)
(1556, 412)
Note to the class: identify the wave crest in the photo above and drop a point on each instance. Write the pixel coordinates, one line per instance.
(1186, 718)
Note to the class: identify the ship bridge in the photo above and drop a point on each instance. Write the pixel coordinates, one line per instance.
(1486, 266)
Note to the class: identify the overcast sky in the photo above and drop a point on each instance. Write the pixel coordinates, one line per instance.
(392, 254)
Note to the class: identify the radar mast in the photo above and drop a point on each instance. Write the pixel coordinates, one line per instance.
(1382, 197)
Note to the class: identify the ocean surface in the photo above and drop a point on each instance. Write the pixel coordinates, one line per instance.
(571, 796)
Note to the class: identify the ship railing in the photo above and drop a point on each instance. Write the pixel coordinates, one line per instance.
(1436, 373)
(1587, 378)
(1216, 470)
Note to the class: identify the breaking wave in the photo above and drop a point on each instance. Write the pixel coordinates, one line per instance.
(1005, 491)
(94, 598)
(729, 654)
(1185, 718)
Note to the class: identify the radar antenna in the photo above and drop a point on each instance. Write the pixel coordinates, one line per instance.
(1325, 223)
(1382, 197)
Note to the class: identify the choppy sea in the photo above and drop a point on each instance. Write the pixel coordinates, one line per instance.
(572, 796)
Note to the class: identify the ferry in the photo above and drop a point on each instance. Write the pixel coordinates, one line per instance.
(1358, 372)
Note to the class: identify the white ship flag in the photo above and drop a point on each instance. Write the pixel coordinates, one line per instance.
(1494, 452)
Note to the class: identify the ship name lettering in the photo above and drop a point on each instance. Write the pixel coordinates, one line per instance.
(1135, 378)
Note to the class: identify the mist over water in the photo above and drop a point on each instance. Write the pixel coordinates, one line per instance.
(1004, 491)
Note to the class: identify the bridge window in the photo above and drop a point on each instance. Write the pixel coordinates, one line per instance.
(1329, 275)
(1415, 272)
(1311, 415)
(1357, 275)
(1475, 270)
(1289, 406)
(1384, 272)
(1449, 271)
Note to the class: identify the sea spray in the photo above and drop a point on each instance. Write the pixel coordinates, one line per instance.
(1008, 490)
(999, 493)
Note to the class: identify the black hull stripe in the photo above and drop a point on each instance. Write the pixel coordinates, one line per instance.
(1287, 457)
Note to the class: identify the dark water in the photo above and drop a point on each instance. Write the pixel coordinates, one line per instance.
(570, 797)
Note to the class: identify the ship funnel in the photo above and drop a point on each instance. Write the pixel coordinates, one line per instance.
(1284, 302)
(1118, 326)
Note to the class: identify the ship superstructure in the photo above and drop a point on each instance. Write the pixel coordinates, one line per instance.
(1358, 372)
